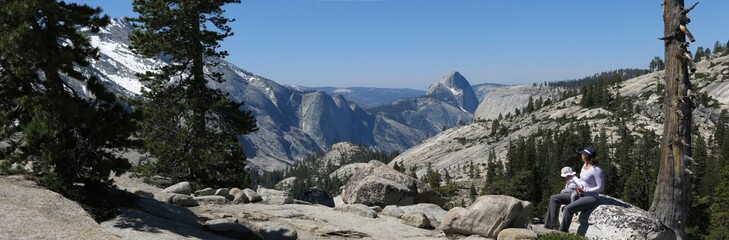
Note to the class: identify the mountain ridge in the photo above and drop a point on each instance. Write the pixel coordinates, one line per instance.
(293, 123)
(453, 148)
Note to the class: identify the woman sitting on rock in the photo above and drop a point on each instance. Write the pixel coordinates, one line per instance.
(591, 174)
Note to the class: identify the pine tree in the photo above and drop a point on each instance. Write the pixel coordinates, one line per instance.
(607, 163)
(656, 64)
(634, 191)
(191, 128)
(697, 224)
(699, 54)
(432, 177)
(718, 48)
(720, 207)
(472, 193)
(70, 137)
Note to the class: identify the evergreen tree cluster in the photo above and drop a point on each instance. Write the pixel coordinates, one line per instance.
(625, 73)
(533, 105)
(72, 140)
(531, 168)
(709, 210)
(629, 159)
(719, 49)
(577, 86)
(314, 173)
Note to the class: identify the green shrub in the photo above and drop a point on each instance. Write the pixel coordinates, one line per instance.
(561, 236)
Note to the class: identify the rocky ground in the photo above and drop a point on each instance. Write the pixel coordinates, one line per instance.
(180, 212)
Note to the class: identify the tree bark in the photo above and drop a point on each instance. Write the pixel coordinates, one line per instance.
(671, 197)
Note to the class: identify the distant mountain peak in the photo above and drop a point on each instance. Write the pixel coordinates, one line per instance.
(454, 86)
(455, 79)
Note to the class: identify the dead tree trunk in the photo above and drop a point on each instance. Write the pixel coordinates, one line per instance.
(671, 197)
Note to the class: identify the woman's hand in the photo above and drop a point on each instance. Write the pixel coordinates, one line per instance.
(580, 189)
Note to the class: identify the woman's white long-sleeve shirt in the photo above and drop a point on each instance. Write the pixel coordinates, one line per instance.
(594, 180)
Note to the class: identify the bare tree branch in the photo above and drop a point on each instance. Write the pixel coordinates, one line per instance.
(687, 10)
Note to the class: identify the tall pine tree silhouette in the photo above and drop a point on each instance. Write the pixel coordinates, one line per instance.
(191, 128)
(70, 132)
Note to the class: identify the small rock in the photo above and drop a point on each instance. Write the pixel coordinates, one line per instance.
(230, 227)
(275, 197)
(418, 220)
(180, 188)
(240, 197)
(393, 211)
(253, 196)
(158, 180)
(224, 192)
(220, 220)
(277, 232)
(434, 212)
(376, 208)
(212, 200)
(176, 199)
(359, 209)
(234, 190)
(184, 200)
(205, 192)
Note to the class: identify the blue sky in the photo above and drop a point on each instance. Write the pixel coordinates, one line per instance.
(412, 43)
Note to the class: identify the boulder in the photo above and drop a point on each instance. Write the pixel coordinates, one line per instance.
(393, 211)
(487, 216)
(400, 189)
(158, 180)
(374, 190)
(416, 219)
(205, 192)
(273, 231)
(183, 188)
(230, 227)
(377, 209)
(434, 212)
(30, 212)
(286, 184)
(234, 190)
(338, 201)
(517, 234)
(224, 192)
(253, 196)
(240, 197)
(212, 200)
(271, 196)
(318, 196)
(615, 219)
(359, 209)
(347, 171)
(176, 199)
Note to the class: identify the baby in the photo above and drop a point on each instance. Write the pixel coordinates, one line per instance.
(572, 182)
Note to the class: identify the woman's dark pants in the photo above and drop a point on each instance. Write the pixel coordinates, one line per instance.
(582, 203)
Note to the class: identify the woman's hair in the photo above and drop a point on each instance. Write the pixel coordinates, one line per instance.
(595, 160)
